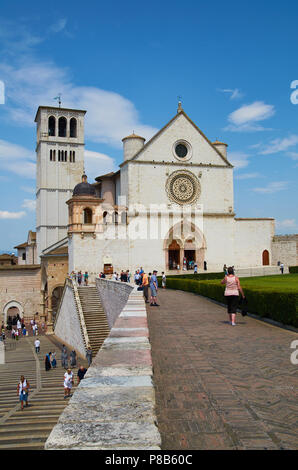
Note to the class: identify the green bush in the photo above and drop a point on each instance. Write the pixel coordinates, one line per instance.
(279, 306)
(197, 277)
(293, 269)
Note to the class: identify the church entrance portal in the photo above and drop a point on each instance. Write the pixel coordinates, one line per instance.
(174, 255)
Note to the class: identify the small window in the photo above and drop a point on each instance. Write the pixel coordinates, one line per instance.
(24, 256)
(52, 126)
(73, 127)
(62, 126)
(87, 216)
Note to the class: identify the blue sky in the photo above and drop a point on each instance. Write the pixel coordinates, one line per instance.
(232, 62)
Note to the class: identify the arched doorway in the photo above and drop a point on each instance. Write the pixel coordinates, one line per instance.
(190, 254)
(56, 297)
(11, 310)
(266, 259)
(174, 255)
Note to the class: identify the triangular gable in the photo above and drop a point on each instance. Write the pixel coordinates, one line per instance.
(161, 131)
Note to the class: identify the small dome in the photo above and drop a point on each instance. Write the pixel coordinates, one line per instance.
(219, 143)
(133, 136)
(84, 188)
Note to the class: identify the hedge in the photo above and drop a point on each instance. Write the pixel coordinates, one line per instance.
(281, 307)
(197, 277)
(293, 269)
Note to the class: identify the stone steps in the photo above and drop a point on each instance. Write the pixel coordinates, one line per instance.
(29, 429)
(95, 317)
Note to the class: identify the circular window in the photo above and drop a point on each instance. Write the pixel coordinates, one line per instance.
(181, 150)
(183, 187)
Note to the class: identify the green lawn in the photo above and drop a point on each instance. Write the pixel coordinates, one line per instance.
(280, 283)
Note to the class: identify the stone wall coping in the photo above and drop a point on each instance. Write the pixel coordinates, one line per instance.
(114, 405)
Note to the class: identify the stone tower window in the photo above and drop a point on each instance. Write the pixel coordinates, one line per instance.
(52, 126)
(87, 214)
(72, 156)
(62, 127)
(52, 155)
(73, 128)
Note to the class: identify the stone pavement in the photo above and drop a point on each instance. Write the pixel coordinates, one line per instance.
(218, 386)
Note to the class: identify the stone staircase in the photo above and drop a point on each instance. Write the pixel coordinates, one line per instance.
(30, 428)
(94, 316)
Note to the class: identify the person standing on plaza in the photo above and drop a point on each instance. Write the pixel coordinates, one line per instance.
(154, 288)
(282, 268)
(89, 355)
(16, 334)
(37, 346)
(64, 357)
(23, 391)
(196, 269)
(86, 276)
(68, 383)
(145, 285)
(232, 290)
(19, 326)
(79, 278)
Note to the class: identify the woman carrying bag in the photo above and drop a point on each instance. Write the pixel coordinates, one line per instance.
(232, 290)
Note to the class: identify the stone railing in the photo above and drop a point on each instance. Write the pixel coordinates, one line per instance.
(113, 407)
(81, 314)
(113, 296)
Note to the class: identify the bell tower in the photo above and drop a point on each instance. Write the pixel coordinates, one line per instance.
(60, 164)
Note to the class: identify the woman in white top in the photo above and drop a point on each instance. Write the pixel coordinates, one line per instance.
(232, 290)
(68, 382)
(23, 390)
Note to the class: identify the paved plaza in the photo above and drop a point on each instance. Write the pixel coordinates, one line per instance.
(218, 386)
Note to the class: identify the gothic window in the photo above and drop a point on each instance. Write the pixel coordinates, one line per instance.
(62, 127)
(87, 214)
(72, 156)
(52, 126)
(73, 128)
(105, 217)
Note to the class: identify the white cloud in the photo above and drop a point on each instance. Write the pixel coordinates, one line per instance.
(17, 159)
(280, 145)
(287, 223)
(246, 176)
(245, 118)
(12, 215)
(234, 93)
(58, 26)
(239, 159)
(293, 155)
(272, 187)
(31, 83)
(97, 164)
(29, 204)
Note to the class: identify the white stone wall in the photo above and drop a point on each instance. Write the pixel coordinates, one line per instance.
(252, 237)
(285, 250)
(68, 327)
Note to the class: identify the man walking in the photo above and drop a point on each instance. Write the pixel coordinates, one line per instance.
(153, 288)
(37, 345)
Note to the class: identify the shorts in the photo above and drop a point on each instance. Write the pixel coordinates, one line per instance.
(23, 396)
(153, 291)
(232, 302)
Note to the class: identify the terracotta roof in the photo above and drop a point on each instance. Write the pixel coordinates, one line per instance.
(23, 245)
(217, 142)
(7, 256)
(133, 136)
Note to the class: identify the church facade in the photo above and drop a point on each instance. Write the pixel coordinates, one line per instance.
(170, 206)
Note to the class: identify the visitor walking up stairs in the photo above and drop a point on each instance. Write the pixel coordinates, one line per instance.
(95, 317)
(29, 429)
